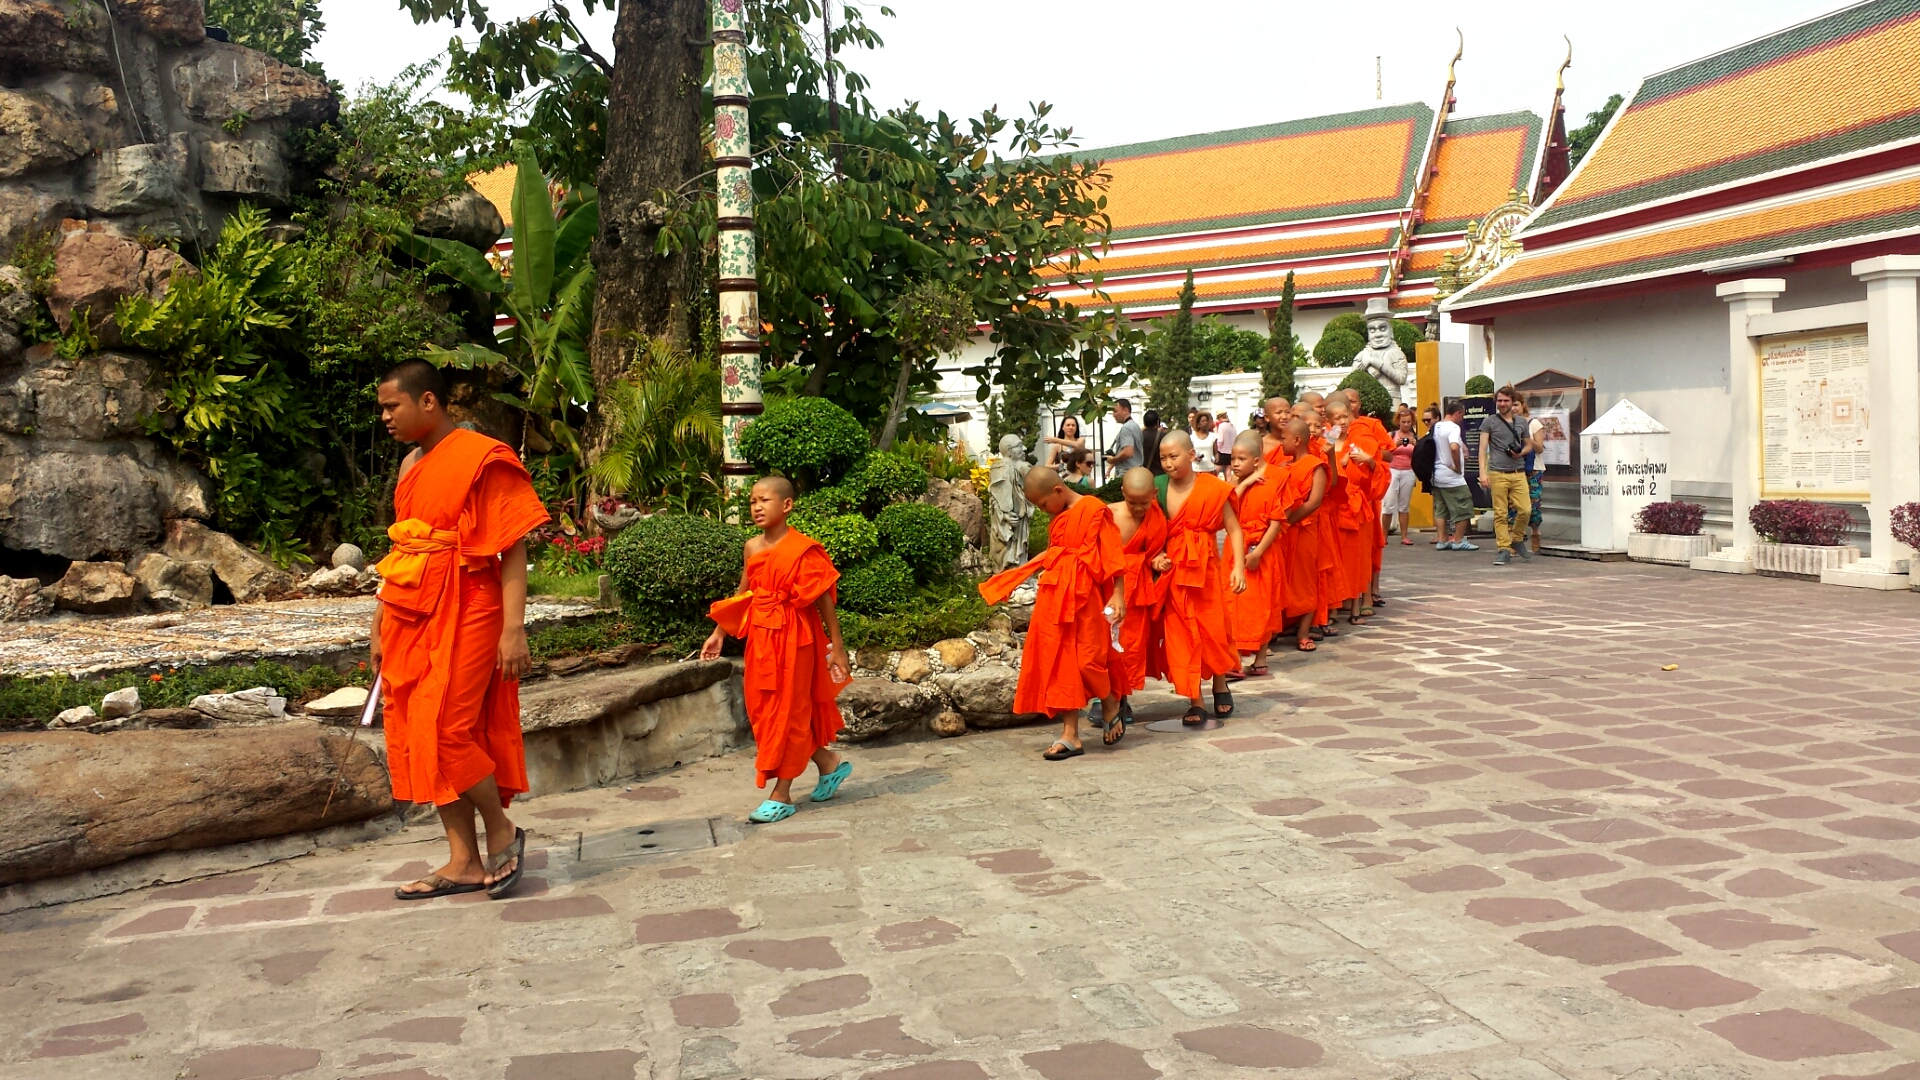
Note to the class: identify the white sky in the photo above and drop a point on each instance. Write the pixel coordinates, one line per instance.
(1121, 71)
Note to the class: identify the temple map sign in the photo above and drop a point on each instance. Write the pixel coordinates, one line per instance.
(1813, 416)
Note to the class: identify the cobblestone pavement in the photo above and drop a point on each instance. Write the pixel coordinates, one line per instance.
(1488, 836)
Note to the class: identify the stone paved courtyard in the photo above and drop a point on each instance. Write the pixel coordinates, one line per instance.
(1487, 836)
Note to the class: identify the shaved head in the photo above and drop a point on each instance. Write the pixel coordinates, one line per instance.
(1040, 481)
(1337, 405)
(1313, 399)
(1279, 403)
(1297, 429)
(1177, 438)
(1248, 441)
(780, 486)
(1353, 398)
(1137, 481)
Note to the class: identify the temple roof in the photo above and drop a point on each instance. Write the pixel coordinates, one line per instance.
(1803, 141)
(1838, 85)
(1481, 160)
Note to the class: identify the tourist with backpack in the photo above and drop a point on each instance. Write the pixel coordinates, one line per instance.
(1399, 496)
(1452, 501)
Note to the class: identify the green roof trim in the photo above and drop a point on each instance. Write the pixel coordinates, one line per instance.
(1779, 244)
(1269, 217)
(1813, 34)
(1898, 129)
(1175, 261)
(1415, 111)
(1262, 294)
(1480, 125)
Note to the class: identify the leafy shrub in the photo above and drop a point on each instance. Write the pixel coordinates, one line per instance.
(1337, 347)
(1037, 529)
(878, 586)
(1800, 521)
(849, 538)
(1405, 334)
(1374, 399)
(1110, 492)
(887, 477)
(1480, 386)
(1670, 518)
(828, 502)
(669, 567)
(811, 440)
(1906, 524)
(946, 610)
(941, 461)
(923, 535)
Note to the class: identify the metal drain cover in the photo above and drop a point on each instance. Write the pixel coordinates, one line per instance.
(632, 845)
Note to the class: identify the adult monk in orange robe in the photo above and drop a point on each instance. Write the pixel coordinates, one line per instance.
(1357, 515)
(1143, 534)
(1250, 612)
(795, 663)
(449, 631)
(1329, 578)
(1301, 501)
(1069, 658)
(1194, 615)
(1379, 443)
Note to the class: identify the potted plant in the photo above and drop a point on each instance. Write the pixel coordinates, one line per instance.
(1669, 532)
(1801, 537)
(1906, 529)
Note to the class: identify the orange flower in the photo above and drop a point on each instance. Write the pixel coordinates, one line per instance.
(156, 677)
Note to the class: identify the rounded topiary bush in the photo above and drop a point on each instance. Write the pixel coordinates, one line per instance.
(1480, 386)
(923, 535)
(669, 567)
(809, 439)
(878, 586)
(1337, 347)
(1374, 399)
(849, 538)
(886, 477)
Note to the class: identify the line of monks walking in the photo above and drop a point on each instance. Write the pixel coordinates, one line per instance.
(1146, 589)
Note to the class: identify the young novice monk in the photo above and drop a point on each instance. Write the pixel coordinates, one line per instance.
(1255, 503)
(1143, 533)
(1379, 444)
(1194, 619)
(796, 665)
(1357, 513)
(449, 631)
(1068, 658)
(1300, 502)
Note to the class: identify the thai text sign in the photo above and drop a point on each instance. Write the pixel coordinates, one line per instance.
(1813, 416)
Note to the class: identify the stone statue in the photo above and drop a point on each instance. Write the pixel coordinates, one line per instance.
(1382, 358)
(1006, 488)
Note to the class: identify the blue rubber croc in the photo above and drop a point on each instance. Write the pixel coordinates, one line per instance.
(829, 785)
(770, 812)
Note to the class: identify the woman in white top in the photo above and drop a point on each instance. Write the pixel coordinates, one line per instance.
(1205, 456)
(1059, 445)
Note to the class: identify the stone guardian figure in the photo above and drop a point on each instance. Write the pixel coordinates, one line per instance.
(1011, 510)
(1382, 358)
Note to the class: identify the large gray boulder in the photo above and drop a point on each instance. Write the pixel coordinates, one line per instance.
(245, 168)
(71, 802)
(984, 696)
(38, 35)
(89, 500)
(92, 399)
(466, 216)
(37, 132)
(138, 178)
(94, 588)
(218, 82)
(876, 708)
(174, 22)
(23, 598)
(246, 573)
(95, 270)
(170, 585)
(960, 504)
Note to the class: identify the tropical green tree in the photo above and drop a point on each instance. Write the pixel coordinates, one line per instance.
(1173, 366)
(283, 29)
(1581, 139)
(1220, 348)
(664, 434)
(1284, 352)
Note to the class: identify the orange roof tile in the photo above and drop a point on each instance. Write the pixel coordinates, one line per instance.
(1828, 217)
(1254, 286)
(1480, 161)
(1228, 250)
(1322, 167)
(1836, 85)
(497, 186)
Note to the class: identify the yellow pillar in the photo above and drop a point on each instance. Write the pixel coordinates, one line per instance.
(1426, 366)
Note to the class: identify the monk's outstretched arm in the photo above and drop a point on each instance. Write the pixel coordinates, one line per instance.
(836, 650)
(1236, 543)
(514, 659)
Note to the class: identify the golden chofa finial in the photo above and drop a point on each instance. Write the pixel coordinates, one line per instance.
(1560, 77)
(1457, 54)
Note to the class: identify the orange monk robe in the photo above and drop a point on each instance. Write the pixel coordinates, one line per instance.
(1140, 629)
(1300, 543)
(1194, 629)
(1331, 576)
(1379, 443)
(790, 696)
(452, 718)
(1068, 658)
(1251, 614)
(1356, 519)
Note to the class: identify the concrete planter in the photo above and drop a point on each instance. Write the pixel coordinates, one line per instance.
(1801, 560)
(1671, 550)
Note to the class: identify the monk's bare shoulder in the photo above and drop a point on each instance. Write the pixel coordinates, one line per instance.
(1122, 512)
(407, 463)
(756, 544)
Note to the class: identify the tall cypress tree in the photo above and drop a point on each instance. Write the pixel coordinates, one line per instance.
(1276, 367)
(1173, 376)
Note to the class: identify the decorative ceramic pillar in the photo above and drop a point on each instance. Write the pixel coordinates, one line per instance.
(1745, 299)
(739, 287)
(1893, 391)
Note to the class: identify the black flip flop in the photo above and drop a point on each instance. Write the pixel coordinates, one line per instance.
(437, 886)
(1126, 710)
(1196, 716)
(1060, 751)
(517, 851)
(1316, 633)
(1223, 699)
(1114, 729)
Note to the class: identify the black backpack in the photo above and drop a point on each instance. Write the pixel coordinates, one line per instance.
(1424, 453)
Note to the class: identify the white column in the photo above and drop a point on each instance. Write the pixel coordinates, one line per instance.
(1745, 299)
(1893, 392)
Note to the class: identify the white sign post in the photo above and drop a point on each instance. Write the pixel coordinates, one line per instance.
(1624, 467)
